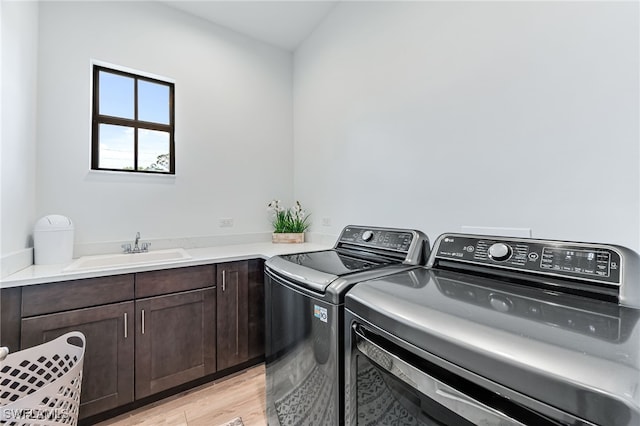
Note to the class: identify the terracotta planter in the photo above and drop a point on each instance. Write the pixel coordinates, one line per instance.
(285, 237)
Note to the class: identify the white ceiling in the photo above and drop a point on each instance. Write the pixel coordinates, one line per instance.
(282, 23)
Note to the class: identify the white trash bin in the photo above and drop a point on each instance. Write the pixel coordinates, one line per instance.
(53, 240)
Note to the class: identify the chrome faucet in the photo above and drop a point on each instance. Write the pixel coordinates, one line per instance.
(144, 247)
(135, 247)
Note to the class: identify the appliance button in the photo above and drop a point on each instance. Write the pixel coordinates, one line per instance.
(367, 235)
(499, 252)
(500, 303)
(533, 256)
(534, 310)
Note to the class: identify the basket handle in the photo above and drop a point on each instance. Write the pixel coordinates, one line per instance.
(67, 336)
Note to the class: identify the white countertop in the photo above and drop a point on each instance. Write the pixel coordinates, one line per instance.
(38, 274)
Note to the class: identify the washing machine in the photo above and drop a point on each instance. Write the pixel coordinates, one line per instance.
(304, 296)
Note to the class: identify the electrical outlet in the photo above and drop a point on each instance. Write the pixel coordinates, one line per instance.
(326, 221)
(226, 222)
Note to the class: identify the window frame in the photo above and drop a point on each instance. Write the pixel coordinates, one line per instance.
(135, 123)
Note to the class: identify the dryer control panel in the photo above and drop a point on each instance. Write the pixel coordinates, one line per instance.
(581, 261)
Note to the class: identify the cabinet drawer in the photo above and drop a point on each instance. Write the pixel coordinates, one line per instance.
(64, 296)
(155, 283)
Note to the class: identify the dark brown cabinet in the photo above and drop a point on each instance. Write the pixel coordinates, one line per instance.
(256, 308)
(175, 342)
(145, 332)
(233, 316)
(240, 320)
(10, 317)
(175, 327)
(156, 283)
(108, 363)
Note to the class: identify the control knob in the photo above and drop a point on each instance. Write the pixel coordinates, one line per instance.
(367, 235)
(499, 252)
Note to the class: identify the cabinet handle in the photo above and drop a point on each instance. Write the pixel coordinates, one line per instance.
(224, 280)
(237, 323)
(125, 325)
(143, 321)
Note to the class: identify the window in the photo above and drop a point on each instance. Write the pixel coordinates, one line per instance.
(133, 122)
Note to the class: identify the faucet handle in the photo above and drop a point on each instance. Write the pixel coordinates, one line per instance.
(126, 248)
(145, 247)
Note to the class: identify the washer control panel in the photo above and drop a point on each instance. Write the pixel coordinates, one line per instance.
(557, 258)
(387, 239)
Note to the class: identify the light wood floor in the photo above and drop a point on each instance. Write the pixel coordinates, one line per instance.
(241, 395)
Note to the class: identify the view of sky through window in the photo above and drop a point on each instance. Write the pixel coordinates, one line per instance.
(116, 147)
(116, 95)
(152, 145)
(153, 102)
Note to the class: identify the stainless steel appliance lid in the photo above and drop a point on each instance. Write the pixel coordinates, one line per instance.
(333, 262)
(317, 270)
(358, 250)
(593, 375)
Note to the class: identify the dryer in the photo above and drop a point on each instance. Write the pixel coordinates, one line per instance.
(498, 331)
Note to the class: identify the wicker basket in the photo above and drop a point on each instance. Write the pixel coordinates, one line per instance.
(40, 386)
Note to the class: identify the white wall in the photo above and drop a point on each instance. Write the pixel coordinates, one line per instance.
(436, 115)
(19, 23)
(233, 123)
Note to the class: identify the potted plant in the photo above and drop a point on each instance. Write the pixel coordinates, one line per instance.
(289, 224)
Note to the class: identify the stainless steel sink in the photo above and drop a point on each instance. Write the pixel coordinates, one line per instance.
(120, 260)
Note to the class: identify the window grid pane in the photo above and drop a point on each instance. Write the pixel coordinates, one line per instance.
(153, 150)
(153, 102)
(116, 95)
(116, 147)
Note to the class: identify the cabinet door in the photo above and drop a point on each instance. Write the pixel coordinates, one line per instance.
(175, 340)
(256, 308)
(10, 318)
(233, 316)
(107, 380)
